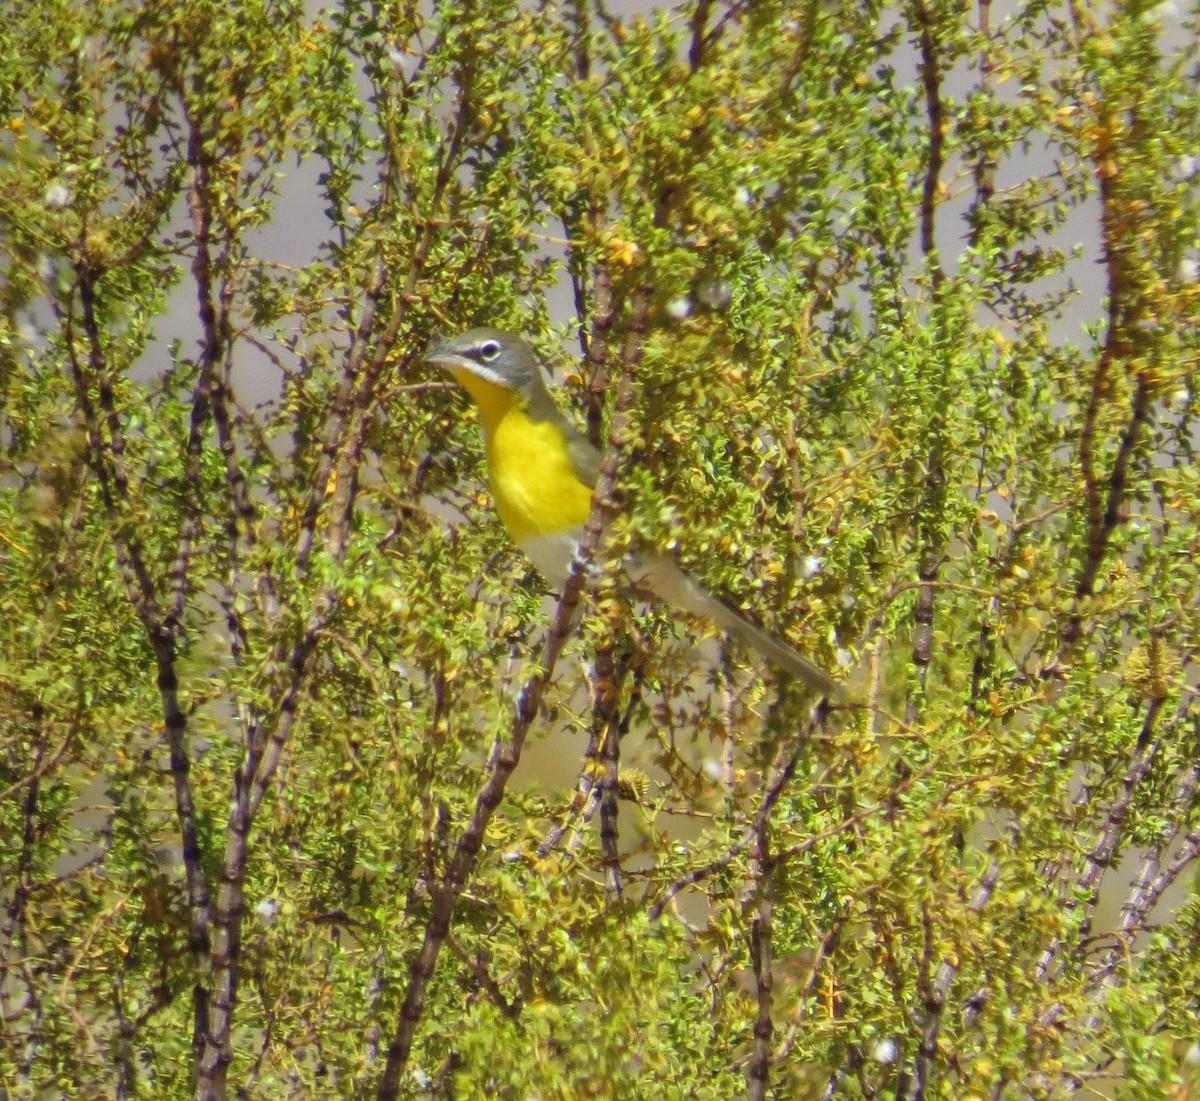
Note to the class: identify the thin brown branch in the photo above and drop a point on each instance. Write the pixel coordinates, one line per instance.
(938, 990)
(479, 971)
(607, 716)
(506, 752)
(780, 778)
(1086, 891)
(1152, 879)
(1102, 520)
(13, 928)
(758, 1067)
(984, 167)
(699, 32)
(1105, 498)
(931, 555)
(333, 494)
(931, 83)
(106, 461)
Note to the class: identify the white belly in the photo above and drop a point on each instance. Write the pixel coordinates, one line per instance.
(552, 554)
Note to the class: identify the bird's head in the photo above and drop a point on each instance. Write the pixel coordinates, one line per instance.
(493, 355)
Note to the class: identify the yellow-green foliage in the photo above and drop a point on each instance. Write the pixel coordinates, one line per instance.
(900, 309)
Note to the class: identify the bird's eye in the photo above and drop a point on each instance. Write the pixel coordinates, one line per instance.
(489, 350)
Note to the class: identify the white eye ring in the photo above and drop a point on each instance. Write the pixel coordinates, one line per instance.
(489, 350)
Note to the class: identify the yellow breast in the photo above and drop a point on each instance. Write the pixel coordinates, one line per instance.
(536, 489)
(533, 481)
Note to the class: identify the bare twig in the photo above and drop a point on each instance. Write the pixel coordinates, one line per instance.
(13, 929)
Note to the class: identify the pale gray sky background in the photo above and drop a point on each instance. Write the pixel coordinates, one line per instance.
(295, 235)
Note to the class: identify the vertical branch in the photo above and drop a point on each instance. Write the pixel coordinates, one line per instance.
(106, 447)
(1104, 503)
(212, 394)
(758, 1069)
(1121, 215)
(214, 322)
(1099, 857)
(334, 488)
(13, 928)
(936, 992)
(342, 453)
(984, 169)
(584, 797)
(505, 753)
(607, 733)
(1148, 884)
(935, 113)
(585, 222)
(1098, 861)
(930, 561)
(923, 615)
(596, 353)
(699, 33)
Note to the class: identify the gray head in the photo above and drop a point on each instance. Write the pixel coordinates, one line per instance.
(493, 355)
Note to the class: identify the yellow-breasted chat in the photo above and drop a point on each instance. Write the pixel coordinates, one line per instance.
(542, 470)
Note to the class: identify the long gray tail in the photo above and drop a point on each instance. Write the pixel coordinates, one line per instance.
(670, 583)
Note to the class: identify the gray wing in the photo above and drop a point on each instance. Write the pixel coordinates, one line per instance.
(584, 457)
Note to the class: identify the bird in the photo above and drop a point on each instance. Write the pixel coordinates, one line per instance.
(542, 471)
